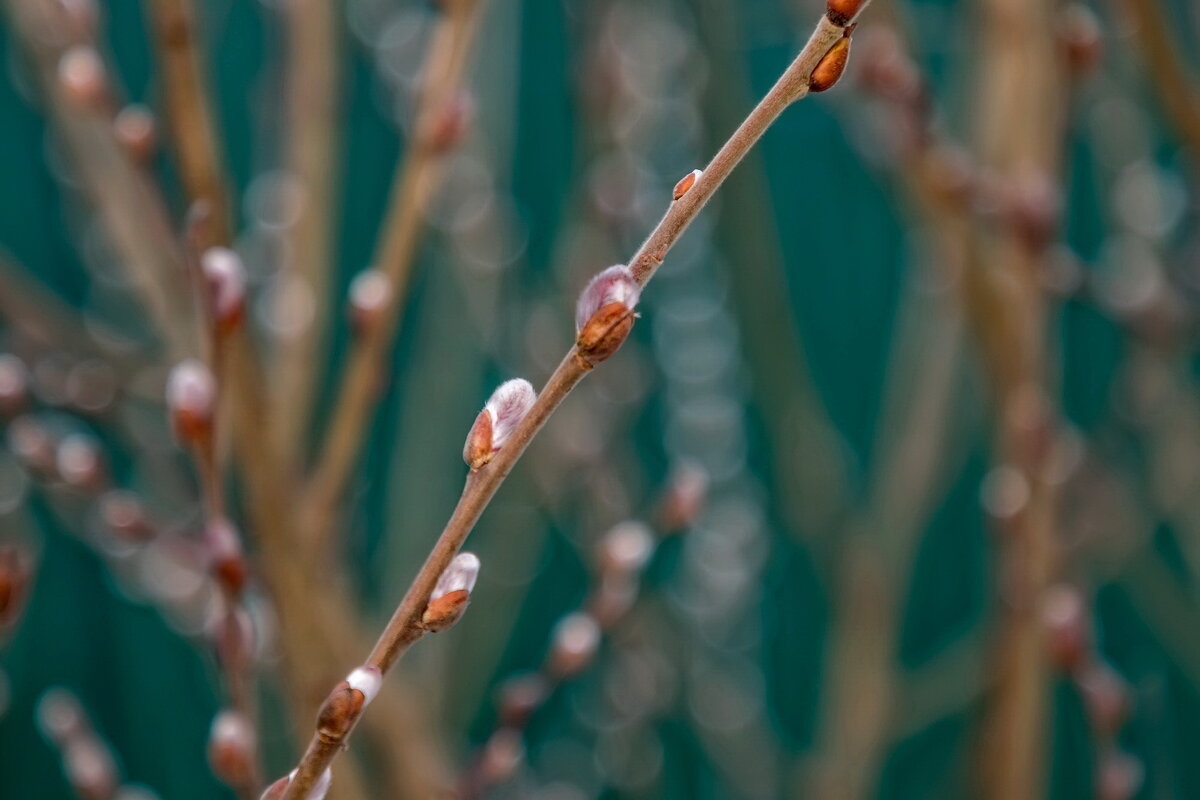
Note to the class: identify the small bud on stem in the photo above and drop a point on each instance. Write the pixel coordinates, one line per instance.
(136, 130)
(232, 748)
(604, 314)
(504, 410)
(192, 400)
(369, 296)
(225, 279)
(686, 183)
(830, 68)
(452, 594)
(82, 76)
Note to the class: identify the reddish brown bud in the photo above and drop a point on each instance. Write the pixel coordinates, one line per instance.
(16, 569)
(32, 444)
(1105, 697)
(503, 412)
(82, 76)
(78, 462)
(14, 385)
(604, 333)
(1068, 636)
(830, 68)
(231, 748)
(843, 12)
(339, 712)
(502, 755)
(576, 639)
(604, 314)
(478, 448)
(191, 400)
(1119, 776)
(136, 130)
(686, 183)
(1081, 38)
(370, 295)
(228, 563)
(225, 278)
(123, 514)
(683, 499)
(445, 128)
(519, 697)
(443, 612)
(626, 548)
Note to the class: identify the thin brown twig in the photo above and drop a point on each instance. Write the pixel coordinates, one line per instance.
(405, 626)
(1020, 136)
(311, 90)
(126, 202)
(417, 179)
(1176, 88)
(189, 115)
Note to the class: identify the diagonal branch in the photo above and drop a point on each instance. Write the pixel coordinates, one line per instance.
(405, 626)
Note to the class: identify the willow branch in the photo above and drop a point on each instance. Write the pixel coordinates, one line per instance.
(311, 92)
(405, 627)
(129, 207)
(1176, 89)
(417, 179)
(1020, 136)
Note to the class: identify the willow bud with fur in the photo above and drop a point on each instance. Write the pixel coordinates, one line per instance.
(452, 594)
(500, 416)
(604, 314)
(232, 747)
(225, 277)
(191, 400)
(346, 702)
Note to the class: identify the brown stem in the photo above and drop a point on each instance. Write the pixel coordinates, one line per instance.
(416, 182)
(312, 77)
(189, 116)
(1176, 89)
(404, 628)
(128, 205)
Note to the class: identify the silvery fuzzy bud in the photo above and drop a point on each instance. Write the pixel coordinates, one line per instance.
(227, 561)
(14, 385)
(1068, 633)
(452, 594)
(369, 296)
(192, 400)
(604, 314)
(626, 548)
(137, 131)
(82, 76)
(225, 279)
(78, 461)
(503, 412)
(345, 703)
(232, 746)
(576, 639)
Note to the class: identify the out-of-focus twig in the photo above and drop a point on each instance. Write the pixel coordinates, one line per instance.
(417, 179)
(1176, 88)
(132, 212)
(311, 75)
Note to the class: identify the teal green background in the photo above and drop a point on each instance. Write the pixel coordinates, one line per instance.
(152, 694)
